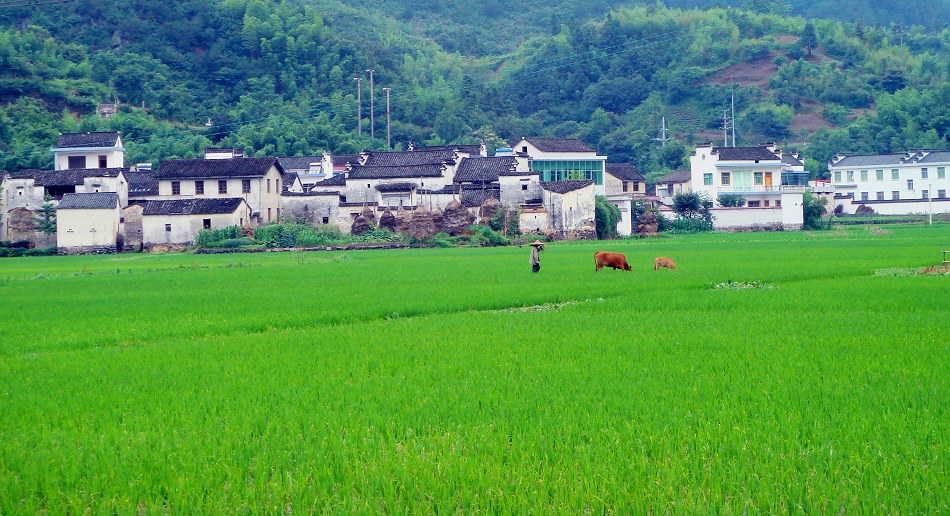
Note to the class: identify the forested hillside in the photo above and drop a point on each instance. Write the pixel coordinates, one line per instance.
(277, 77)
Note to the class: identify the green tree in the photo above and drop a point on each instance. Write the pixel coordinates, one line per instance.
(813, 209)
(731, 200)
(809, 37)
(46, 220)
(606, 217)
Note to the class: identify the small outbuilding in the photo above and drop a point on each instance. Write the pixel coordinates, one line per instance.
(178, 221)
(88, 223)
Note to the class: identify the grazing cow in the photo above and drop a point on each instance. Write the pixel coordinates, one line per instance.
(613, 260)
(664, 262)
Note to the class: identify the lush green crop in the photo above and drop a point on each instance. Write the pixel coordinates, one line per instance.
(455, 380)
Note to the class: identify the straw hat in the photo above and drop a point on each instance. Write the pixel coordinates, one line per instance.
(537, 243)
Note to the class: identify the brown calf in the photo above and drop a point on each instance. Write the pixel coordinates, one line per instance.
(664, 262)
(613, 260)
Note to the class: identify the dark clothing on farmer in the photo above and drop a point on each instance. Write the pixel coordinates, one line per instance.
(535, 260)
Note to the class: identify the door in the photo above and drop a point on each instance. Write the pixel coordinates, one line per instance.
(768, 180)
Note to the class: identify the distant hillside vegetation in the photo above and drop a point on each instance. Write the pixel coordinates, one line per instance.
(277, 78)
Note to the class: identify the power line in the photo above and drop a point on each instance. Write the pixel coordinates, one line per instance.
(343, 106)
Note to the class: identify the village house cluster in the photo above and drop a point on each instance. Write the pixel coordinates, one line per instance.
(550, 184)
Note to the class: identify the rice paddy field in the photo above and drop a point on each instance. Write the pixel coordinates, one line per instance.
(773, 372)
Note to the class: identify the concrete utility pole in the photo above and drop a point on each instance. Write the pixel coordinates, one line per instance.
(372, 123)
(389, 144)
(359, 104)
(733, 115)
(663, 139)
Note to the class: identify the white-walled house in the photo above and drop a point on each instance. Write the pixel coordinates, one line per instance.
(571, 207)
(915, 182)
(25, 191)
(88, 223)
(557, 159)
(624, 179)
(677, 181)
(88, 150)
(259, 181)
(178, 221)
(755, 173)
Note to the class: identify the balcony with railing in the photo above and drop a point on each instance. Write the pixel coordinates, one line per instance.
(762, 189)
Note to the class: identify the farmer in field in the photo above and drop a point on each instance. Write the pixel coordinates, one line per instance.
(536, 247)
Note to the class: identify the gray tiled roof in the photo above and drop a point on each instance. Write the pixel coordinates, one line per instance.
(68, 177)
(484, 170)
(142, 183)
(568, 185)
(89, 201)
(395, 187)
(299, 162)
(624, 171)
(469, 149)
(936, 157)
(203, 206)
(745, 153)
(409, 158)
(343, 159)
(337, 180)
(676, 176)
(870, 160)
(788, 159)
(559, 144)
(91, 139)
(199, 168)
(379, 172)
(289, 179)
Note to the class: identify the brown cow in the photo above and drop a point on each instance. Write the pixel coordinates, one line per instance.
(613, 260)
(664, 262)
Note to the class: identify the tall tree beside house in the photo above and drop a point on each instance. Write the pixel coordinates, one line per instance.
(813, 208)
(46, 219)
(809, 38)
(606, 216)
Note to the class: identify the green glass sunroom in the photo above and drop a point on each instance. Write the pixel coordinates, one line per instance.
(559, 170)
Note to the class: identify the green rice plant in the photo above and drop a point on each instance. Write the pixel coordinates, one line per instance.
(454, 380)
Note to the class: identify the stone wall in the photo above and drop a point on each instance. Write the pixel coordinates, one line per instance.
(96, 249)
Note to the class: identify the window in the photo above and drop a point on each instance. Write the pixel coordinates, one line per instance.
(168, 227)
(910, 184)
(778, 203)
(925, 194)
(864, 196)
(206, 223)
(268, 186)
(850, 175)
(724, 177)
(103, 161)
(176, 187)
(941, 172)
(766, 203)
(758, 178)
(199, 187)
(895, 195)
(880, 196)
(326, 220)
(278, 185)
(941, 194)
(268, 214)
(524, 149)
(923, 173)
(76, 162)
(755, 204)
(368, 185)
(864, 175)
(837, 176)
(707, 180)
(879, 174)
(19, 191)
(524, 186)
(895, 174)
(245, 186)
(222, 186)
(636, 185)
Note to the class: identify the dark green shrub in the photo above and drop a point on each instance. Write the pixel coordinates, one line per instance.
(210, 237)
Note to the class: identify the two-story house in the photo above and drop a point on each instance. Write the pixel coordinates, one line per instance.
(557, 159)
(88, 150)
(259, 181)
(756, 174)
(896, 184)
